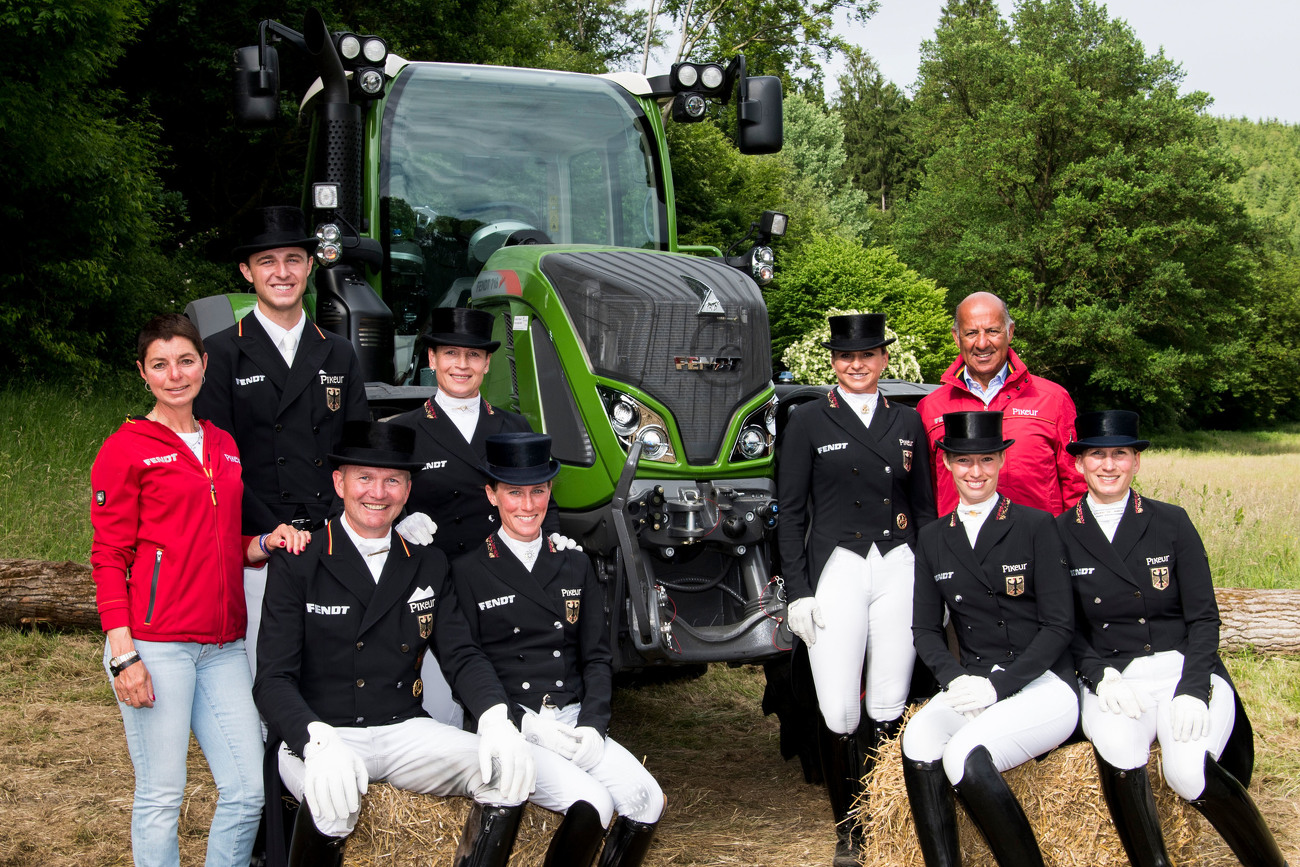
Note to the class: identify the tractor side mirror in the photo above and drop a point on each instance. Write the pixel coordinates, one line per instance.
(257, 86)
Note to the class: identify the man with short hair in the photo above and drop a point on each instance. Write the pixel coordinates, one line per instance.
(347, 624)
(282, 387)
(1037, 413)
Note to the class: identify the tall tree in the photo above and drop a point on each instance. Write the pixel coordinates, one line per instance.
(1070, 176)
(878, 152)
(83, 205)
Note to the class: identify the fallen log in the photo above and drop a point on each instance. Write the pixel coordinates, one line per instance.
(41, 593)
(62, 595)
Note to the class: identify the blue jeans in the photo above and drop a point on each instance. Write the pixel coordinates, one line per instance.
(205, 688)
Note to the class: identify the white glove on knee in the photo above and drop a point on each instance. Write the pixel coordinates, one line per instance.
(550, 734)
(336, 777)
(969, 693)
(1190, 718)
(417, 528)
(591, 748)
(562, 542)
(1115, 695)
(501, 743)
(801, 615)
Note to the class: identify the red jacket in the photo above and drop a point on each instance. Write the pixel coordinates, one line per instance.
(167, 555)
(1037, 413)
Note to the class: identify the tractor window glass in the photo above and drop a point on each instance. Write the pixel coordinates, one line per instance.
(475, 157)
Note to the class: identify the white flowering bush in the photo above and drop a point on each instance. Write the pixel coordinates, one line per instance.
(810, 362)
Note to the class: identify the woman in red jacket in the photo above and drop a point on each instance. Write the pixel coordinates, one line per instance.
(168, 557)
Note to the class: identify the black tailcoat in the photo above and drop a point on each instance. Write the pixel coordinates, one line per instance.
(286, 421)
(855, 485)
(1009, 599)
(450, 488)
(337, 647)
(545, 630)
(1149, 591)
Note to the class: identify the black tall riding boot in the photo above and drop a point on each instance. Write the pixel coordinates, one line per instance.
(933, 811)
(489, 836)
(1228, 807)
(842, 767)
(1133, 811)
(627, 843)
(996, 812)
(577, 839)
(309, 847)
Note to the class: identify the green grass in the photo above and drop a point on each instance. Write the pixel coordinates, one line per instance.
(49, 436)
(1280, 441)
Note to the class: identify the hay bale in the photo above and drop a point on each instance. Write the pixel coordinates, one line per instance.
(398, 828)
(1064, 804)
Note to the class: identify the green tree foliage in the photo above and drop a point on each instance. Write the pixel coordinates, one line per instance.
(818, 190)
(777, 37)
(1067, 174)
(833, 272)
(1270, 186)
(83, 204)
(879, 157)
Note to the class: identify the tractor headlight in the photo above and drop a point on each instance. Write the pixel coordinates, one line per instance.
(375, 49)
(371, 82)
(349, 46)
(633, 421)
(757, 436)
(752, 442)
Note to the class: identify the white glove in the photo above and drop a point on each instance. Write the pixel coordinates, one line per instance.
(801, 615)
(550, 734)
(969, 693)
(417, 528)
(563, 542)
(336, 777)
(1115, 695)
(1190, 718)
(500, 743)
(591, 748)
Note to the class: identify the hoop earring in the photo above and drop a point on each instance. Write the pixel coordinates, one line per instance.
(146, 385)
(204, 380)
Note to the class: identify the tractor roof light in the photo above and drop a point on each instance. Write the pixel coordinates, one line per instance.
(711, 76)
(762, 265)
(371, 81)
(325, 197)
(329, 233)
(349, 45)
(772, 223)
(685, 76)
(375, 49)
(328, 253)
(689, 107)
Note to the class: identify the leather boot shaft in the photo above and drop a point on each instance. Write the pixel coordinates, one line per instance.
(1229, 808)
(577, 839)
(627, 843)
(995, 811)
(489, 835)
(1132, 807)
(933, 811)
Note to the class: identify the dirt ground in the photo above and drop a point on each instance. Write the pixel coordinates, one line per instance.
(66, 780)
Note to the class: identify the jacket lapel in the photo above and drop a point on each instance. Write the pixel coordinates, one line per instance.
(344, 562)
(394, 581)
(256, 345)
(307, 361)
(995, 528)
(506, 566)
(846, 417)
(1085, 530)
(448, 437)
(954, 535)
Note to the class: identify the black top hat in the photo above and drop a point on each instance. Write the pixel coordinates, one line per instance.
(855, 332)
(376, 444)
(973, 433)
(460, 326)
(272, 228)
(520, 458)
(1110, 429)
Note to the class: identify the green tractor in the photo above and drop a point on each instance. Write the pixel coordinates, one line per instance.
(546, 198)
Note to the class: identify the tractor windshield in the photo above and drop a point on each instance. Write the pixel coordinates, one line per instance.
(477, 156)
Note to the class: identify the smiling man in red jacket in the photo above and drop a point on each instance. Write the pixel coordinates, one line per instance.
(1037, 414)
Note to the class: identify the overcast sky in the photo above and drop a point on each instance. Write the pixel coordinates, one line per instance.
(1243, 53)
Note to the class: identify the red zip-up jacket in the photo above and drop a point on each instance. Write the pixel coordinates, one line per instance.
(167, 555)
(1037, 413)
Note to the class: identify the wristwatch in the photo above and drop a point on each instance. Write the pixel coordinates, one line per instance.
(118, 664)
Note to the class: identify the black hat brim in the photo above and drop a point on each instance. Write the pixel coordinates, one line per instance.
(973, 445)
(374, 458)
(433, 341)
(522, 475)
(241, 254)
(1116, 441)
(859, 345)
